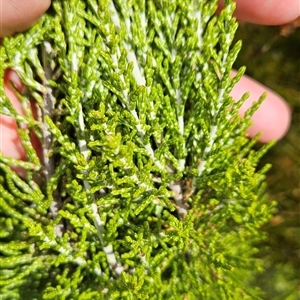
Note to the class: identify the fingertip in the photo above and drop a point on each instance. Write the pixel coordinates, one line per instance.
(16, 17)
(273, 12)
(273, 117)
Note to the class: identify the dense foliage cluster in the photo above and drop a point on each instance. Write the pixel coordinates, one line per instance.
(148, 187)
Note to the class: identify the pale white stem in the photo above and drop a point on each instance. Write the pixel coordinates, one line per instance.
(84, 151)
(131, 57)
(180, 121)
(213, 131)
(112, 261)
(198, 17)
(137, 74)
(48, 106)
(178, 197)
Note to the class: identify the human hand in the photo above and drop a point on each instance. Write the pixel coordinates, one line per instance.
(272, 118)
(16, 16)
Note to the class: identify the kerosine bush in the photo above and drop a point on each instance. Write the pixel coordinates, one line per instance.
(148, 188)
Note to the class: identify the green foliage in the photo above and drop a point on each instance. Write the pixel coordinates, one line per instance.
(280, 278)
(148, 187)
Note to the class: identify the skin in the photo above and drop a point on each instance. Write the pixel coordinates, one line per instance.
(267, 12)
(16, 15)
(273, 117)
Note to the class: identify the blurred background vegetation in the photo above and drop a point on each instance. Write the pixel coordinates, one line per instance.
(272, 56)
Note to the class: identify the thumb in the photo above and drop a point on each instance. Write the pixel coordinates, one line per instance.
(16, 15)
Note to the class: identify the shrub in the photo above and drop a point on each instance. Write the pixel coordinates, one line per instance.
(148, 187)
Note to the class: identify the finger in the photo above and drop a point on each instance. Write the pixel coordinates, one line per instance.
(16, 15)
(273, 117)
(271, 12)
(10, 142)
